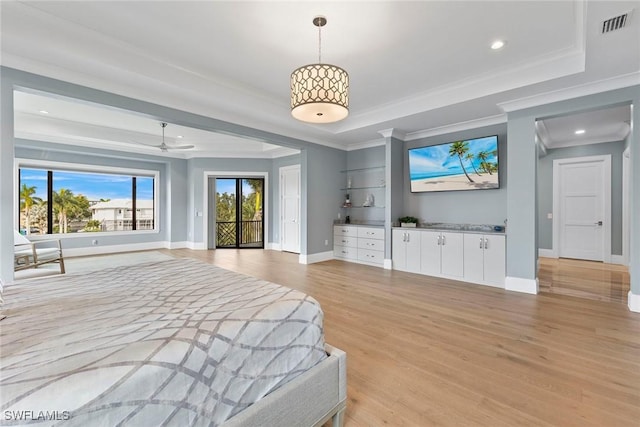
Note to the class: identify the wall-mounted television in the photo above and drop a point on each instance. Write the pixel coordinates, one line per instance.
(470, 164)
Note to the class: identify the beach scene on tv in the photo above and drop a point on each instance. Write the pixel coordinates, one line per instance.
(461, 165)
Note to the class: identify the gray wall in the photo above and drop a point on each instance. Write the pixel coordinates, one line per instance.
(321, 200)
(522, 227)
(473, 207)
(361, 159)
(545, 189)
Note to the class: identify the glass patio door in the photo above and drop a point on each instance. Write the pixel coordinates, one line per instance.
(239, 213)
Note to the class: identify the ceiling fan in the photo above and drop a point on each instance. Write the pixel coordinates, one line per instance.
(164, 147)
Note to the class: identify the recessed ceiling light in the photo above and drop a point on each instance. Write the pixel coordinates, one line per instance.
(44, 112)
(580, 131)
(498, 44)
(179, 136)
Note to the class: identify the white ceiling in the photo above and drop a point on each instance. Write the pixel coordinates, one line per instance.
(606, 125)
(414, 66)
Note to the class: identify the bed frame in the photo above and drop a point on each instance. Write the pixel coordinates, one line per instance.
(311, 399)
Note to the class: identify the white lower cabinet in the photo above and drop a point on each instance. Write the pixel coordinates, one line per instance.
(359, 244)
(484, 259)
(405, 250)
(442, 253)
(470, 257)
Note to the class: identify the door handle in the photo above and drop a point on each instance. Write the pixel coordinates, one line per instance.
(599, 223)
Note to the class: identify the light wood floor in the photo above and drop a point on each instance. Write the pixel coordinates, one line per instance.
(584, 279)
(431, 352)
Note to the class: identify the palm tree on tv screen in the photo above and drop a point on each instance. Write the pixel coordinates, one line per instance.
(470, 157)
(460, 148)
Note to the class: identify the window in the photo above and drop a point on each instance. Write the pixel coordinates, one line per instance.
(56, 201)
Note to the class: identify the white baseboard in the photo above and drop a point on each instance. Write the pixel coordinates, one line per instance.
(110, 249)
(388, 264)
(518, 284)
(272, 246)
(618, 259)
(634, 302)
(177, 245)
(547, 253)
(313, 258)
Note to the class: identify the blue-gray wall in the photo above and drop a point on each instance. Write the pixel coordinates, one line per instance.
(545, 189)
(472, 207)
(365, 158)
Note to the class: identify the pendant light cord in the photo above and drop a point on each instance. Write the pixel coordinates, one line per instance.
(319, 44)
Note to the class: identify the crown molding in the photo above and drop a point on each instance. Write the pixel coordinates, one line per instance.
(393, 133)
(366, 144)
(543, 134)
(458, 127)
(591, 88)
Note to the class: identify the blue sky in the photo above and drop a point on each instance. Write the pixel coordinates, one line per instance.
(228, 185)
(436, 161)
(92, 186)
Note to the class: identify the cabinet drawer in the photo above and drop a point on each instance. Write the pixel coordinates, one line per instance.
(374, 257)
(350, 242)
(371, 244)
(371, 233)
(345, 231)
(344, 252)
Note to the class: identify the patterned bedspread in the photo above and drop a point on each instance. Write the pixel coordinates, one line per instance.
(178, 343)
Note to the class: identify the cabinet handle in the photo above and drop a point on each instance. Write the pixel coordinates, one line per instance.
(444, 241)
(439, 237)
(486, 243)
(408, 237)
(481, 242)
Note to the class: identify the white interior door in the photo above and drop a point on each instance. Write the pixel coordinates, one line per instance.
(584, 202)
(290, 208)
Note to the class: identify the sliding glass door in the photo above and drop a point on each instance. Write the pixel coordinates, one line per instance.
(239, 213)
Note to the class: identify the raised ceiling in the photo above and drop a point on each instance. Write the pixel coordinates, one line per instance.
(414, 66)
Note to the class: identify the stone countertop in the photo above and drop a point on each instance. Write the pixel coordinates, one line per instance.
(459, 228)
(361, 223)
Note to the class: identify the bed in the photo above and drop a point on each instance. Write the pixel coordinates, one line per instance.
(177, 342)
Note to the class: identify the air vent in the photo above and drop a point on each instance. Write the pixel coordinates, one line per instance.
(615, 23)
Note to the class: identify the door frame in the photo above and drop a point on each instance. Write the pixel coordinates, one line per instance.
(606, 194)
(280, 171)
(626, 213)
(205, 204)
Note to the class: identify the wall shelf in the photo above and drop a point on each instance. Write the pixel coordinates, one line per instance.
(372, 168)
(373, 187)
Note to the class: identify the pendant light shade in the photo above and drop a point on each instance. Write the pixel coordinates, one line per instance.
(319, 92)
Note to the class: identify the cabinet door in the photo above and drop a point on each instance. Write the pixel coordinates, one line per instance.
(494, 260)
(430, 252)
(398, 250)
(452, 254)
(345, 230)
(371, 233)
(413, 251)
(474, 257)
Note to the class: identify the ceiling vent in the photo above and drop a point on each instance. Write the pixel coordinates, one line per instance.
(615, 23)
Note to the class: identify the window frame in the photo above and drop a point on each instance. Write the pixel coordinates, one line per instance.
(21, 163)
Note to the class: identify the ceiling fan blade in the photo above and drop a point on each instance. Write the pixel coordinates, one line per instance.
(180, 147)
